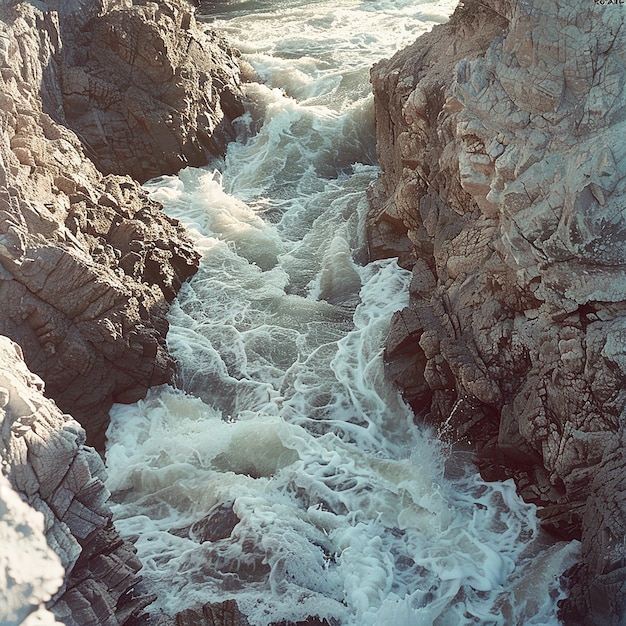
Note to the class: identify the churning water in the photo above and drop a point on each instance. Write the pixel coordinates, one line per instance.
(283, 471)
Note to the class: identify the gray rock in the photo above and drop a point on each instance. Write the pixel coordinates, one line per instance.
(88, 263)
(499, 135)
(65, 513)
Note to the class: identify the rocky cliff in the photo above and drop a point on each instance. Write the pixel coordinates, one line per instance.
(94, 96)
(500, 135)
(87, 262)
(145, 88)
(62, 522)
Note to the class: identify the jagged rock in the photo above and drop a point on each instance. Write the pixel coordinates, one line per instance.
(88, 263)
(500, 137)
(226, 613)
(147, 90)
(218, 524)
(218, 614)
(65, 509)
(30, 572)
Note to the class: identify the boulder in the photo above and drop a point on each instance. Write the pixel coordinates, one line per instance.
(146, 88)
(500, 138)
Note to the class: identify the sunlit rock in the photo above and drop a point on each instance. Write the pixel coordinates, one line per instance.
(88, 263)
(504, 166)
(57, 534)
(30, 572)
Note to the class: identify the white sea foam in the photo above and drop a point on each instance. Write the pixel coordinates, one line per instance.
(284, 471)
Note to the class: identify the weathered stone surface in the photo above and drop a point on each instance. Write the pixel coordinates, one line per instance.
(146, 88)
(30, 572)
(88, 263)
(90, 90)
(501, 139)
(65, 509)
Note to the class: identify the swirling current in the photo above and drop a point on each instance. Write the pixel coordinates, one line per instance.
(282, 470)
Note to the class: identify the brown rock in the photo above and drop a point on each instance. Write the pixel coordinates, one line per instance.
(147, 89)
(61, 478)
(88, 262)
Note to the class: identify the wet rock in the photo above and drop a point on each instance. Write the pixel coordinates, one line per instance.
(213, 614)
(227, 614)
(499, 137)
(218, 524)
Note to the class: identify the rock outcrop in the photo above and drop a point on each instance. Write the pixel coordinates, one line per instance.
(31, 572)
(88, 263)
(500, 135)
(147, 90)
(62, 521)
(90, 91)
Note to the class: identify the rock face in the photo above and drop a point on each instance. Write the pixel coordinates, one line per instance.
(31, 571)
(89, 91)
(500, 135)
(62, 521)
(87, 262)
(146, 89)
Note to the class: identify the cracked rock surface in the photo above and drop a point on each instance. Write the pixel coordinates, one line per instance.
(60, 522)
(145, 87)
(88, 263)
(90, 91)
(500, 135)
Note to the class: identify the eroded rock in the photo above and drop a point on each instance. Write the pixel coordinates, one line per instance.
(62, 528)
(31, 571)
(500, 136)
(147, 89)
(88, 263)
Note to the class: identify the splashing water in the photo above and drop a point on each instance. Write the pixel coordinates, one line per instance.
(284, 471)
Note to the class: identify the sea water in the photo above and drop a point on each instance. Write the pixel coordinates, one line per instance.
(282, 470)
